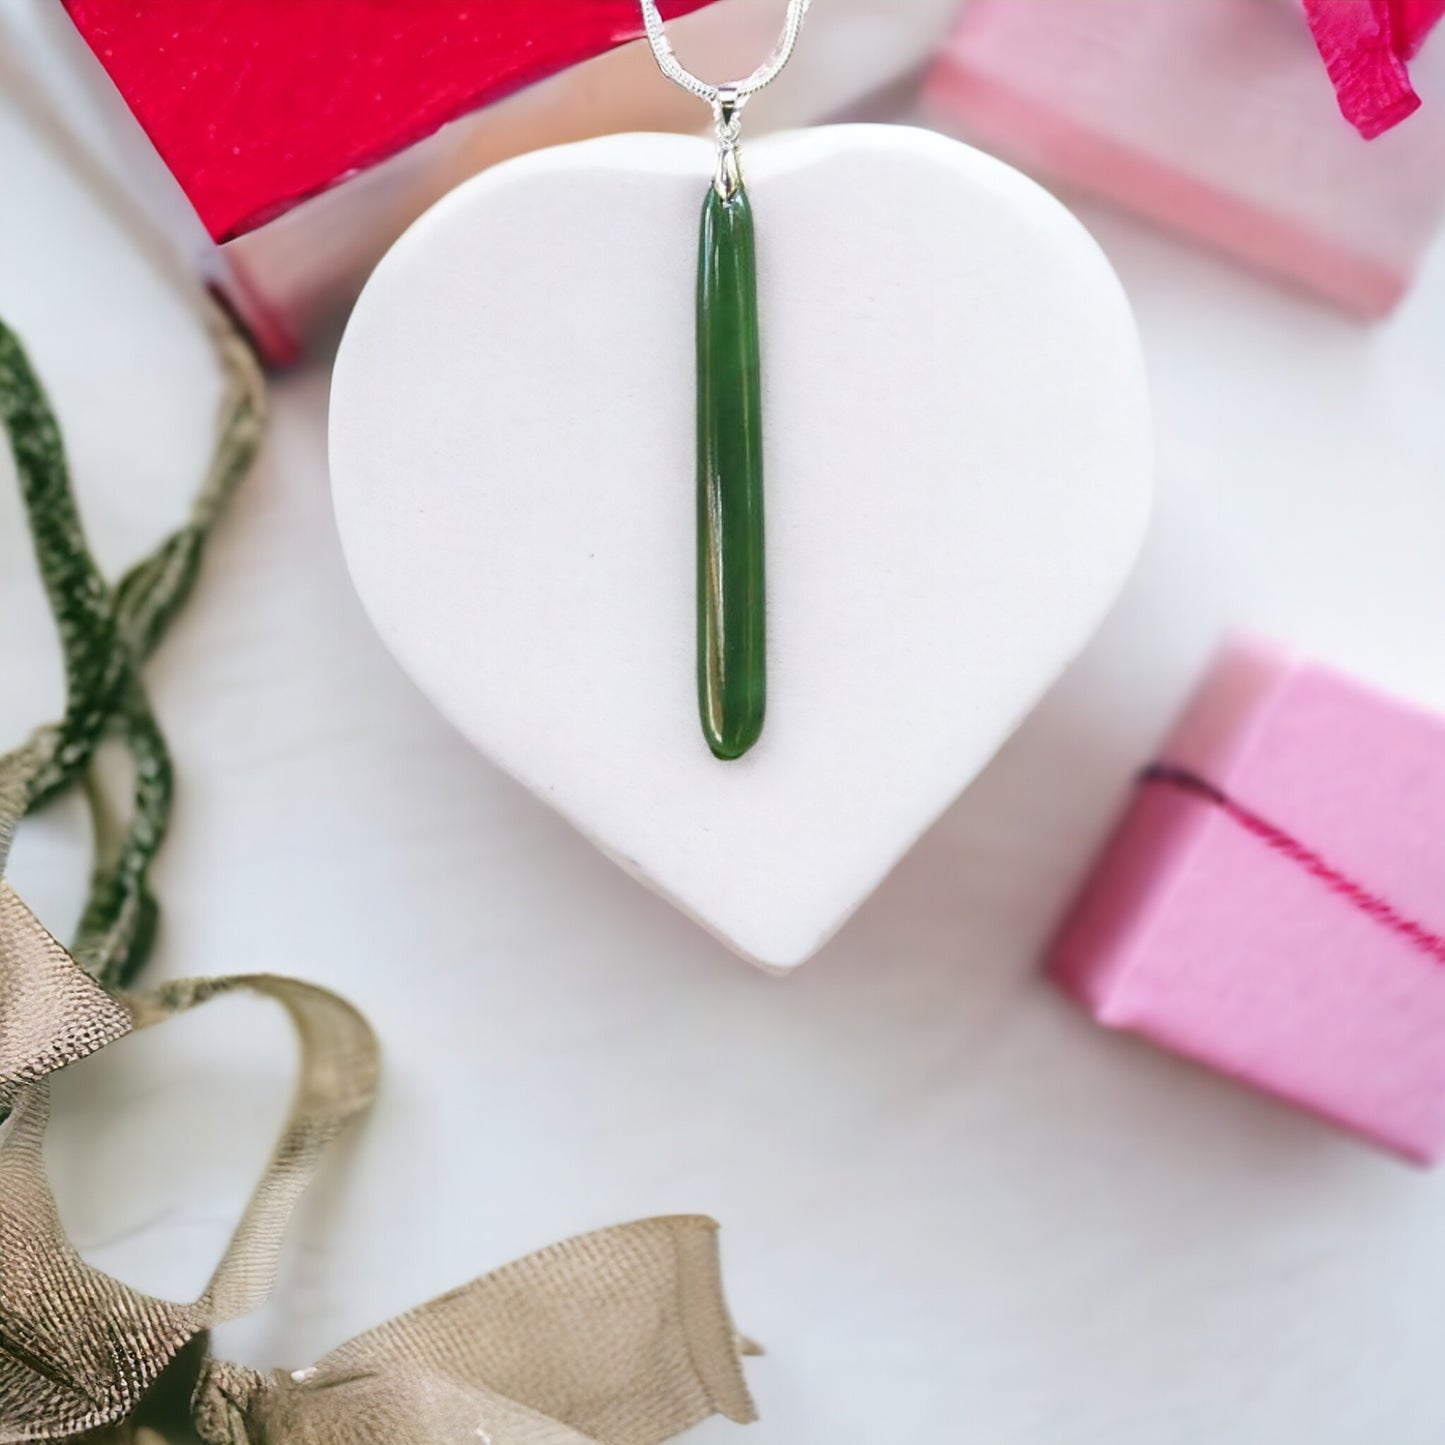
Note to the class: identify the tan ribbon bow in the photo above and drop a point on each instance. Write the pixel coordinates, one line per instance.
(617, 1338)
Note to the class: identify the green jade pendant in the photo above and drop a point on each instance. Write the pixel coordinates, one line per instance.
(731, 580)
(732, 672)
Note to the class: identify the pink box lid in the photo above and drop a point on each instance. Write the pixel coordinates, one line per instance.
(1216, 119)
(1273, 902)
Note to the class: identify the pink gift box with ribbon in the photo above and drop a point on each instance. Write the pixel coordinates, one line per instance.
(1220, 120)
(1273, 902)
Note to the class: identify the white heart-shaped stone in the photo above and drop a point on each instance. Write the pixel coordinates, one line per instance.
(958, 459)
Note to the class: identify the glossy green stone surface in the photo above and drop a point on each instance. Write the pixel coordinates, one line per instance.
(731, 584)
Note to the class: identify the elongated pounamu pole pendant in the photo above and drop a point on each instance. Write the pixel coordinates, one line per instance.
(731, 580)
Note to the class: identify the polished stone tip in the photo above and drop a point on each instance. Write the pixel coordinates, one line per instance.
(737, 743)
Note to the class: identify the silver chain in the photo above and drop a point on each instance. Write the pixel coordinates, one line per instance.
(727, 101)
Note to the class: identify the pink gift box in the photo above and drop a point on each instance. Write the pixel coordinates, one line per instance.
(1215, 119)
(1273, 902)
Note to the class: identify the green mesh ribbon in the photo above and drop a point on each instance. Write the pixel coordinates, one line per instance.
(107, 633)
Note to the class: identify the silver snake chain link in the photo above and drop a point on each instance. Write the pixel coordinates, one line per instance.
(738, 92)
(727, 101)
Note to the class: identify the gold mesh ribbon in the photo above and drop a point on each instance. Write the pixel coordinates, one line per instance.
(617, 1338)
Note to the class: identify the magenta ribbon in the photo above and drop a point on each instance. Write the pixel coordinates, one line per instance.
(1365, 45)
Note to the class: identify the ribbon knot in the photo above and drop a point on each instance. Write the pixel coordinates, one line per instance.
(224, 1403)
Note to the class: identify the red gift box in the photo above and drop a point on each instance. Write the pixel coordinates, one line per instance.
(282, 145)
(255, 105)
(305, 134)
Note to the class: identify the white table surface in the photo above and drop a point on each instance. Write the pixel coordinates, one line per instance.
(954, 1210)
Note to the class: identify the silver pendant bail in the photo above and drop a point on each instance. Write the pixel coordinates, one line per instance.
(727, 115)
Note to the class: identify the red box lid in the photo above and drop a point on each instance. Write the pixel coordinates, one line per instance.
(257, 104)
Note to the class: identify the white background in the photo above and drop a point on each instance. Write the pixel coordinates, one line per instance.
(953, 1210)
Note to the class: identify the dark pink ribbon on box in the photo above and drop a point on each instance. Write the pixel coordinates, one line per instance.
(1365, 45)
(1356, 894)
